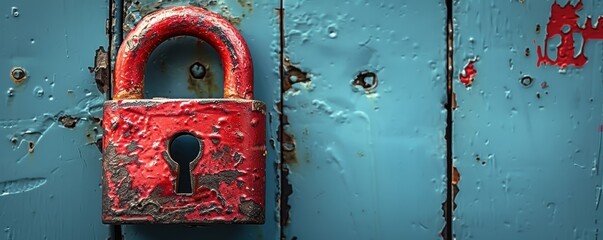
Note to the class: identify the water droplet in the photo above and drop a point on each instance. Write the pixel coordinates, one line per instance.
(332, 29)
(10, 92)
(32, 41)
(50, 97)
(15, 11)
(38, 91)
(87, 92)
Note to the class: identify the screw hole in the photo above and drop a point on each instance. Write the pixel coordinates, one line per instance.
(18, 74)
(197, 70)
(526, 81)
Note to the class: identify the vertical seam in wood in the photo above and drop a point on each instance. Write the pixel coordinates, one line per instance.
(283, 197)
(447, 233)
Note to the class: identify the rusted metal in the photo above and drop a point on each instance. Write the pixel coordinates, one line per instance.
(101, 70)
(18, 74)
(68, 121)
(367, 80)
(292, 75)
(228, 175)
(170, 22)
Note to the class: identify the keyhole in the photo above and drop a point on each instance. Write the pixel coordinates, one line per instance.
(184, 149)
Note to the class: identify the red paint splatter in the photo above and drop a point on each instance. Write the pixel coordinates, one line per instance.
(566, 17)
(468, 74)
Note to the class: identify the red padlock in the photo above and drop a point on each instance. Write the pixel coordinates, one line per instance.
(139, 175)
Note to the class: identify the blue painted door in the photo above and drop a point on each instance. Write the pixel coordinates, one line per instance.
(382, 116)
(527, 135)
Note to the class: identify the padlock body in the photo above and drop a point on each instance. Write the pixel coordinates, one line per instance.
(227, 178)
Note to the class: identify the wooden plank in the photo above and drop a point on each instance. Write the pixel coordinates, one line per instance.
(364, 158)
(528, 155)
(50, 164)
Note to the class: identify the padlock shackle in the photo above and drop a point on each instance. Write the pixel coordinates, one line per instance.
(161, 25)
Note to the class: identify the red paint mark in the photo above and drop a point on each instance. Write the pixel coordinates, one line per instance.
(469, 72)
(566, 18)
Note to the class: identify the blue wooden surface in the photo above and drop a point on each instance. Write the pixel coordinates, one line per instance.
(167, 75)
(357, 164)
(365, 164)
(529, 166)
(52, 192)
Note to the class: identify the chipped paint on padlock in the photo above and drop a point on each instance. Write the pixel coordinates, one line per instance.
(139, 176)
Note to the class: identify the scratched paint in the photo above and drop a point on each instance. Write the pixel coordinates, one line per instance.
(364, 119)
(49, 174)
(167, 75)
(564, 22)
(527, 152)
(20, 185)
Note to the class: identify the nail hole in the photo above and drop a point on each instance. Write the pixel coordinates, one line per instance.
(526, 81)
(367, 80)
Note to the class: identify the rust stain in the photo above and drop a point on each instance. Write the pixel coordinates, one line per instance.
(68, 121)
(288, 148)
(288, 144)
(286, 191)
(101, 70)
(456, 177)
(246, 4)
(564, 23)
(31, 147)
(293, 74)
(454, 103)
(467, 76)
(367, 80)
(537, 28)
(18, 74)
(208, 85)
(205, 87)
